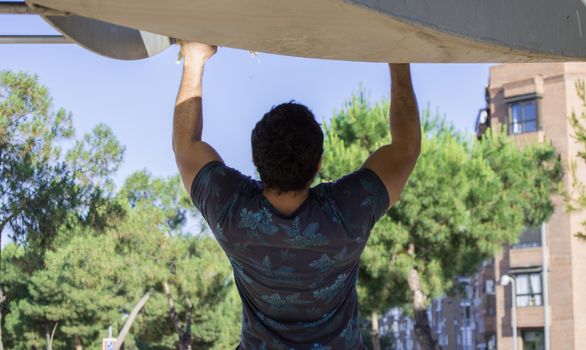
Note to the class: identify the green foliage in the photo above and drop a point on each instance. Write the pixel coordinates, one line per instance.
(140, 189)
(93, 279)
(78, 290)
(463, 202)
(27, 119)
(36, 189)
(575, 195)
(40, 189)
(84, 255)
(353, 133)
(200, 281)
(98, 155)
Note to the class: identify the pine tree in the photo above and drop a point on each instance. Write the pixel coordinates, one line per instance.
(463, 202)
(41, 191)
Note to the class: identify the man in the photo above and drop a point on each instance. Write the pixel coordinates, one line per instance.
(295, 250)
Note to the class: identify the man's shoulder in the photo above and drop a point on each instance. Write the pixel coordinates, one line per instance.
(218, 174)
(217, 187)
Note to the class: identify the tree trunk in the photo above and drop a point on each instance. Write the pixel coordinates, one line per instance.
(422, 329)
(183, 345)
(53, 333)
(3, 224)
(374, 331)
(50, 336)
(2, 298)
(133, 314)
(187, 331)
(78, 345)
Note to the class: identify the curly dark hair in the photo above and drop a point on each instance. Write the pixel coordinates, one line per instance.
(287, 145)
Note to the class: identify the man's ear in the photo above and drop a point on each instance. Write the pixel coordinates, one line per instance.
(319, 165)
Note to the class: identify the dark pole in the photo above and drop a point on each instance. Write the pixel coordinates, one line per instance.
(34, 39)
(21, 8)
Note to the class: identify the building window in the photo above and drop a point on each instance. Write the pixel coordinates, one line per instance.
(523, 116)
(467, 338)
(466, 316)
(491, 343)
(530, 238)
(443, 339)
(533, 339)
(529, 291)
(482, 121)
(489, 287)
(466, 312)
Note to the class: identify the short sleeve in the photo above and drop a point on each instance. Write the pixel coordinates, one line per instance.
(361, 199)
(215, 190)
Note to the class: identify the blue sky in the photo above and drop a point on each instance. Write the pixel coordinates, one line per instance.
(136, 98)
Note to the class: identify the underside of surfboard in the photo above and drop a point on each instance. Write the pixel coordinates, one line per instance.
(108, 39)
(361, 30)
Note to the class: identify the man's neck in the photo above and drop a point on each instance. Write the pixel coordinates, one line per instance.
(287, 202)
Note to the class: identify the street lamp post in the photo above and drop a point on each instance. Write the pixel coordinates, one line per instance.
(505, 280)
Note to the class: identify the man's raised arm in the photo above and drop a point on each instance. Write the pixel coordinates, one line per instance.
(191, 153)
(394, 163)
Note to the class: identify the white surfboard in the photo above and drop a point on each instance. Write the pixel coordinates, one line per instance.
(362, 30)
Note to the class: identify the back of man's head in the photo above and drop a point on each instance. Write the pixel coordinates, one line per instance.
(287, 145)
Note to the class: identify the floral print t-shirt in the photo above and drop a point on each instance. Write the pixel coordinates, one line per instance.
(296, 274)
